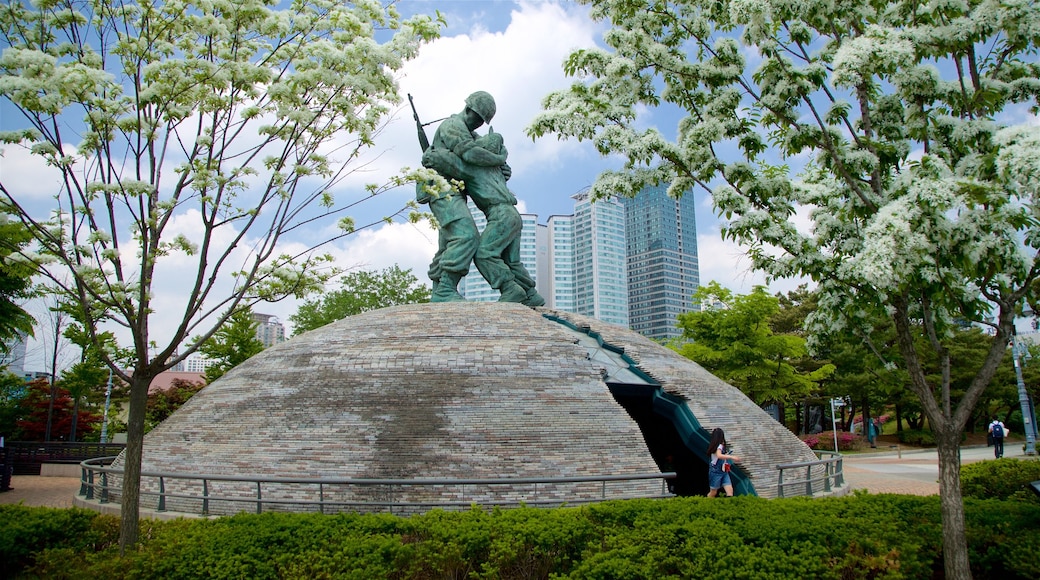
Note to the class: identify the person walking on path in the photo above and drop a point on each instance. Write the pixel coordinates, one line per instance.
(998, 431)
(719, 467)
(872, 432)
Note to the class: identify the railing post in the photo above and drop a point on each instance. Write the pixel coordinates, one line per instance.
(808, 480)
(780, 484)
(839, 478)
(205, 497)
(162, 495)
(259, 497)
(104, 487)
(321, 497)
(827, 477)
(82, 480)
(90, 486)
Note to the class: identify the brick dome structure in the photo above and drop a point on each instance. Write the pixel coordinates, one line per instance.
(467, 391)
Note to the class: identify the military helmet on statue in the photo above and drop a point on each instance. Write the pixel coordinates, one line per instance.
(483, 104)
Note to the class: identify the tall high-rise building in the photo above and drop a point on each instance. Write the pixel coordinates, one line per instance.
(663, 270)
(631, 262)
(600, 273)
(13, 355)
(558, 290)
(473, 286)
(269, 330)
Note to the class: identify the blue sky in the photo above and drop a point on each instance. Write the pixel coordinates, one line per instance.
(512, 49)
(515, 51)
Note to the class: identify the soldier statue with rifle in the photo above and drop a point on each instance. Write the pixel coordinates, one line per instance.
(459, 153)
(457, 236)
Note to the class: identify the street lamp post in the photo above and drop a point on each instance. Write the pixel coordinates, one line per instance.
(1028, 419)
(834, 421)
(108, 398)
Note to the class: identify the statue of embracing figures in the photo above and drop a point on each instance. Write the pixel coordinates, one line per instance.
(458, 152)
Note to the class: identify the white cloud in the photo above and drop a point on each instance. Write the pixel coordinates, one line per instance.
(517, 57)
(518, 66)
(28, 177)
(406, 245)
(725, 262)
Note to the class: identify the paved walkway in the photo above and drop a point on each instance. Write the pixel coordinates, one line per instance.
(35, 490)
(914, 472)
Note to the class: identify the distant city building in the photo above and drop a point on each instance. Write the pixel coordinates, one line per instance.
(473, 286)
(663, 270)
(559, 268)
(630, 262)
(13, 356)
(600, 271)
(269, 330)
(193, 363)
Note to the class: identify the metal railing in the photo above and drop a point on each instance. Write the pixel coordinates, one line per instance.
(102, 483)
(832, 475)
(25, 457)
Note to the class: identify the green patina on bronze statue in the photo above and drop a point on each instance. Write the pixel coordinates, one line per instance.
(458, 152)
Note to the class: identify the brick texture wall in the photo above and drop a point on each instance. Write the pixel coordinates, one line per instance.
(450, 390)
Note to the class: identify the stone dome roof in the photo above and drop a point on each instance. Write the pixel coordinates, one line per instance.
(462, 390)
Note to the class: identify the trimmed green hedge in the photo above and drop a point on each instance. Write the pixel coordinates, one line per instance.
(860, 536)
(1001, 479)
(917, 437)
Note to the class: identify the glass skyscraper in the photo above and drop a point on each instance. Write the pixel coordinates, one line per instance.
(629, 261)
(663, 270)
(600, 275)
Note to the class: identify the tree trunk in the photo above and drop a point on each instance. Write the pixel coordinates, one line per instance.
(899, 418)
(75, 421)
(130, 511)
(955, 541)
(50, 410)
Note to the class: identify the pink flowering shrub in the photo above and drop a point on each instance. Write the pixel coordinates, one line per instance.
(825, 441)
(811, 440)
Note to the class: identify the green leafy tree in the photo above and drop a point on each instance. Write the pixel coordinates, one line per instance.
(162, 403)
(732, 339)
(190, 138)
(80, 380)
(920, 199)
(15, 279)
(87, 379)
(361, 291)
(794, 308)
(233, 343)
(13, 392)
(1001, 397)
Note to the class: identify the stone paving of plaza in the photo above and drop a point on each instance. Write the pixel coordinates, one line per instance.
(911, 472)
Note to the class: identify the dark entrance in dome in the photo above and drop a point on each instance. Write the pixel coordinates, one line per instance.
(674, 437)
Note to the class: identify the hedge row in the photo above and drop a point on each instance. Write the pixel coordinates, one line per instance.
(860, 536)
(1004, 478)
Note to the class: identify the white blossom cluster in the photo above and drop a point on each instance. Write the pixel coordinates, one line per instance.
(922, 202)
(233, 119)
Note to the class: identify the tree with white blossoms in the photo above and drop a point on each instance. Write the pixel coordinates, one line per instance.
(920, 162)
(236, 117)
